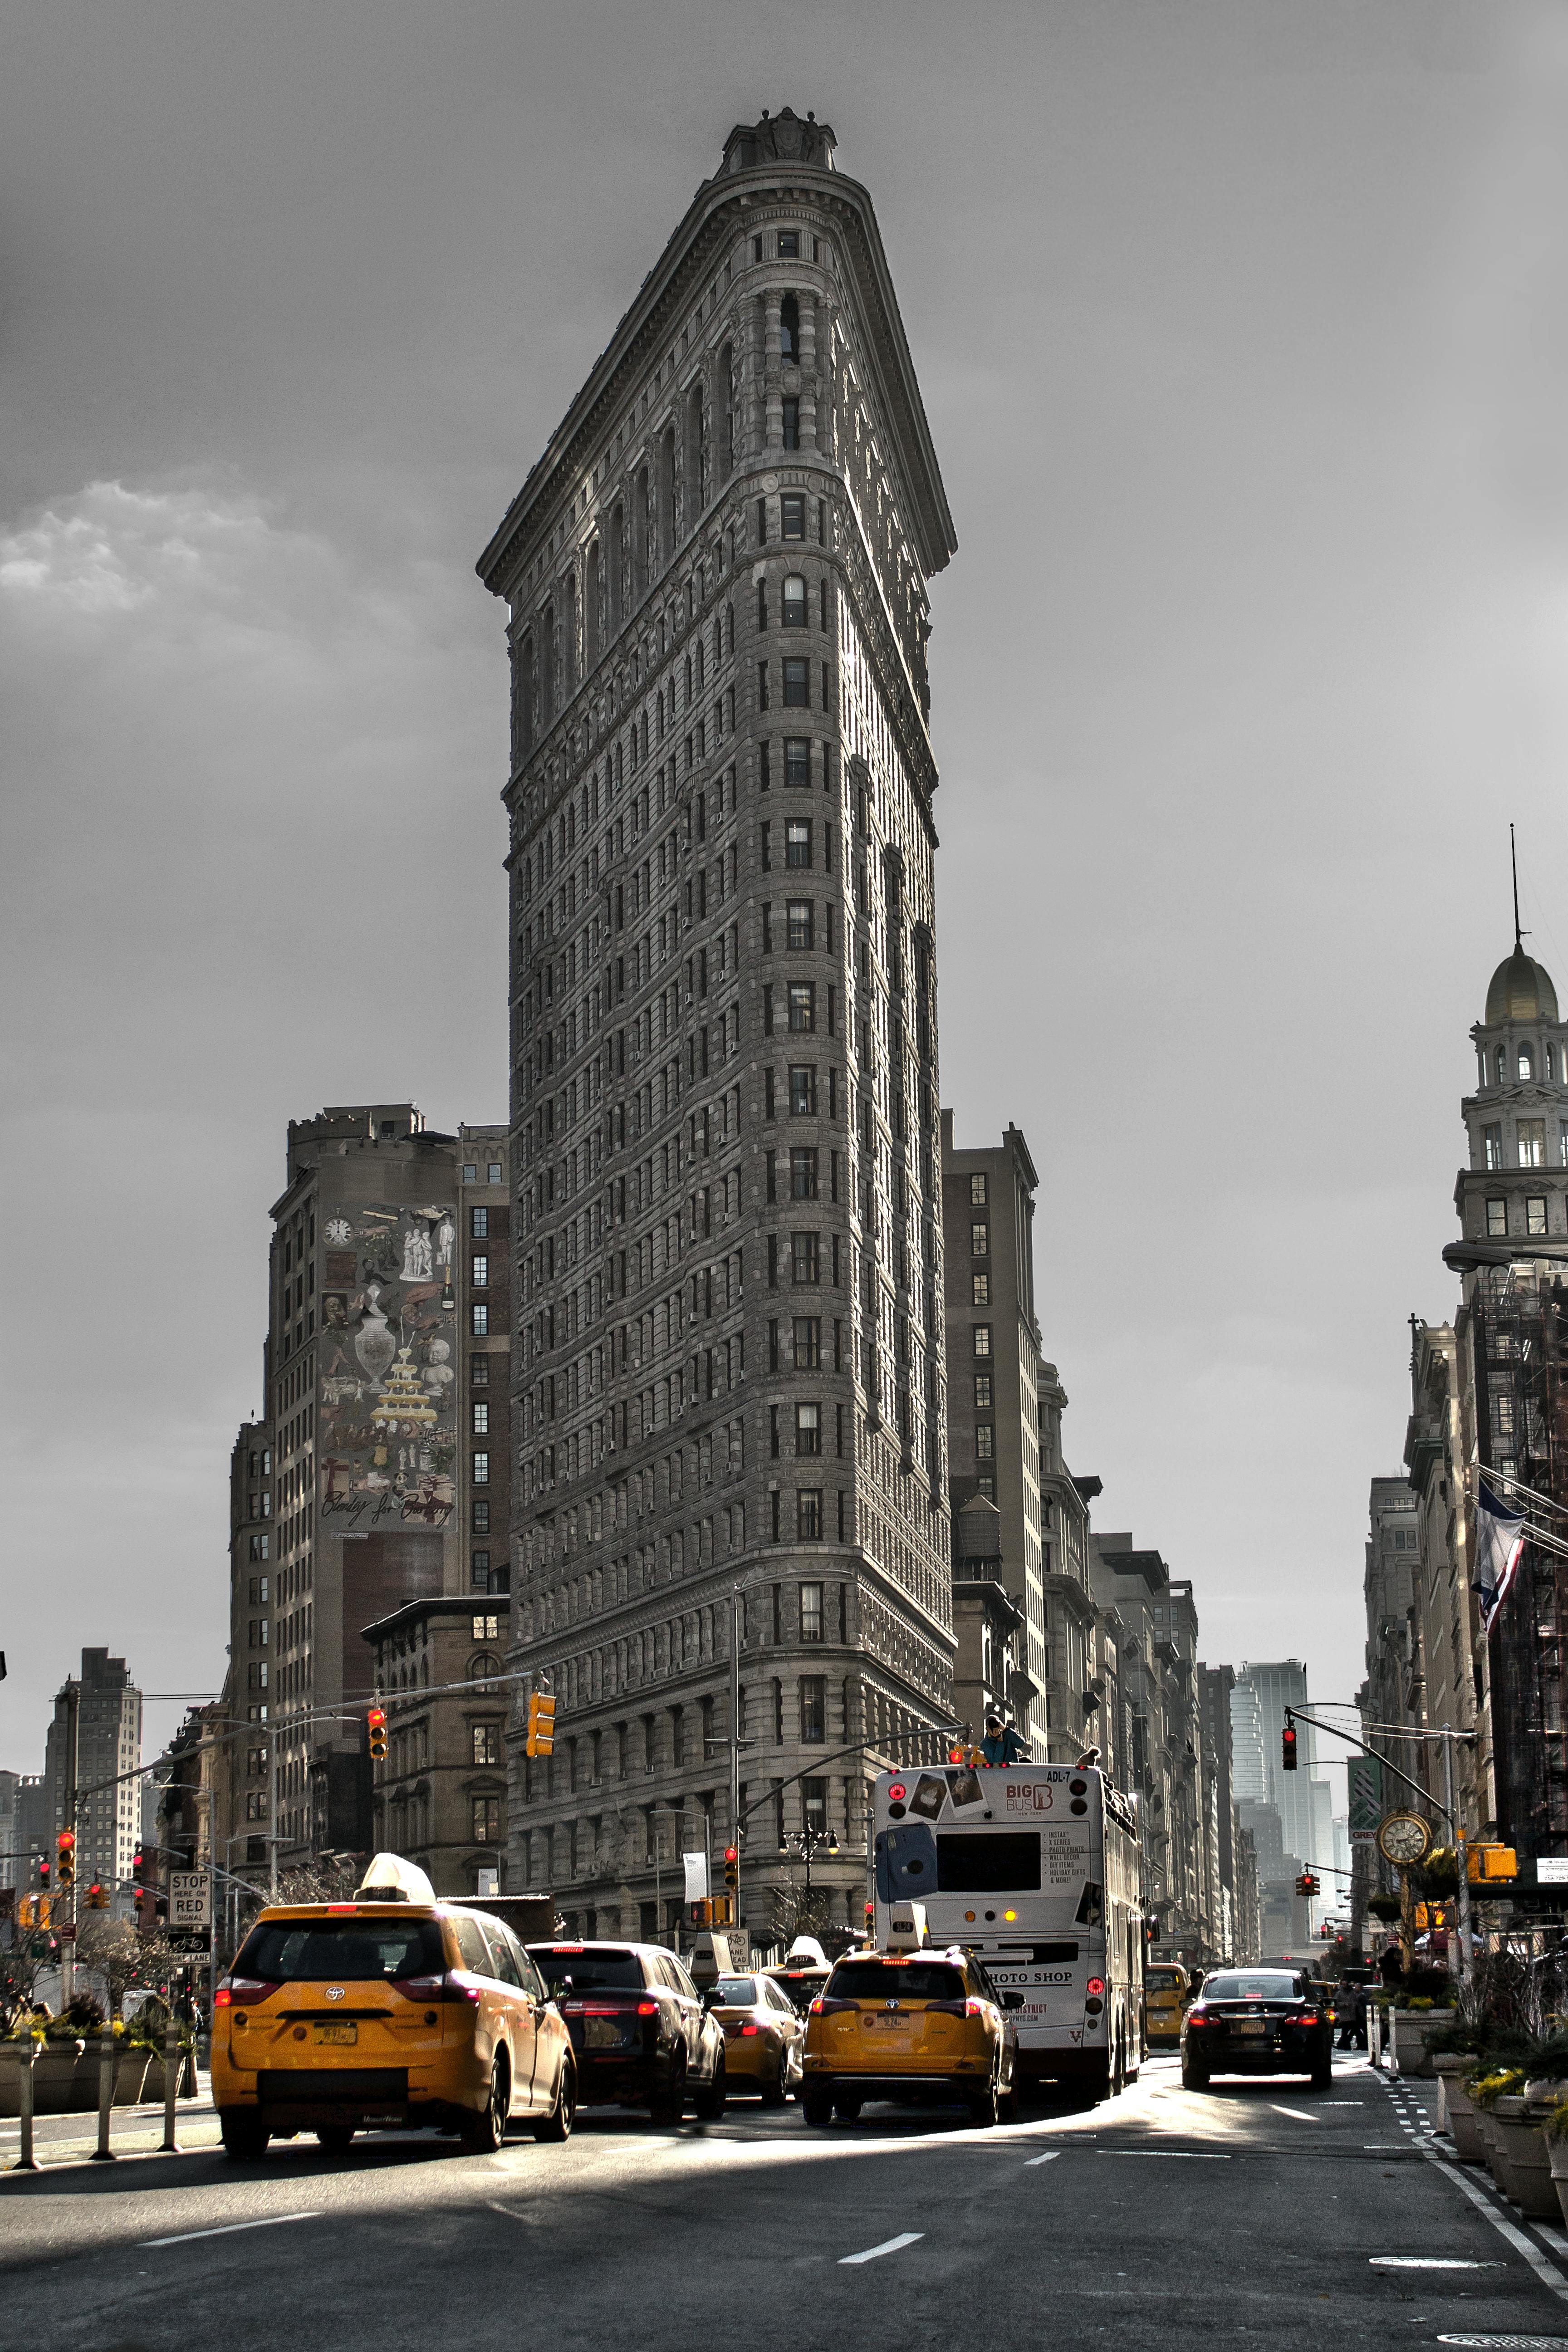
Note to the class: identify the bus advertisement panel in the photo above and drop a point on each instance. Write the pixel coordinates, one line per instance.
(1034, 1867)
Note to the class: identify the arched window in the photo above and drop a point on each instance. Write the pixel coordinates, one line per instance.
(645, 562)
(796, 609)
(789, 329)
(666, 497)
(726, 411)
(524, 691)
(568, 643)
(1527, 1061)
(482, 1668)
(547, 669)
(696, 454)
(593, 595)
(1552, 1063)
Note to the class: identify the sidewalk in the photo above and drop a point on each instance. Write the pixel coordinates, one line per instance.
(134, 2131)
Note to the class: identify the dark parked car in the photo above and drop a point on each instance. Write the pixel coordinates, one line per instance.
(639, 2032)
(1257, 2022)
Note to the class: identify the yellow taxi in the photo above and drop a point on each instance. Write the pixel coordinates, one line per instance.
(394, 2013)
(917, 2026)
(763, 2035)
(1167, 1989)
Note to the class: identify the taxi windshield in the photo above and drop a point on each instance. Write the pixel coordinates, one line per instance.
(1262, 1984)
(896, 1980)
(736, 1992)
(295, 1951)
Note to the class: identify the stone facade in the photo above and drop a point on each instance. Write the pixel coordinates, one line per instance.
(440, 1795)
(729, 1367)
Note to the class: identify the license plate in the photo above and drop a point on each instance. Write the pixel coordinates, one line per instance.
(1251, 2025)
(341, 2035)
(892, 2024)
(604, 2032)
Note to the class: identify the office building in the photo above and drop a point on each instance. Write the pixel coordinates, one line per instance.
(730, 1363)
(91, 1755)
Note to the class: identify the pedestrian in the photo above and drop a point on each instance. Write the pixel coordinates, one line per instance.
(1001, 1744)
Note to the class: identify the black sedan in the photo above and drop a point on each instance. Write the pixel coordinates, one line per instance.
(639, 2032)
(1257, 2022)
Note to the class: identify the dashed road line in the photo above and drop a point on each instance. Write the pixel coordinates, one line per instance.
(1299, 2113)
(888, 2246)
(1049, 2158)
(1428, 2262)
(231, 2229)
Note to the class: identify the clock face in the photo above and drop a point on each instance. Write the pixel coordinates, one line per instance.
(1404, 1838)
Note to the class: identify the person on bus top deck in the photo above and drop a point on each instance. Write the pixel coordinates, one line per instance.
(1001, 1744)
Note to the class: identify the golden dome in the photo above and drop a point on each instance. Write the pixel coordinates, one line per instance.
(1522, 990)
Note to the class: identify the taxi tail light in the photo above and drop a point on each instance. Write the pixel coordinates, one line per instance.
(750, 2026)
(818, 2007)
(421, 1988)
(460, 1987)
(974, 2007)
(242, 1992)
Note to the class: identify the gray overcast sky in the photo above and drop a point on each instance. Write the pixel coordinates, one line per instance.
(1241, 328)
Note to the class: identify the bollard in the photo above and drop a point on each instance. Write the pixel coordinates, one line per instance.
(171, 2088)
(27, 2060)
(103, 2153)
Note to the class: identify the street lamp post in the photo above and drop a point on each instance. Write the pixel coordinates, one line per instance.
(805, 1842)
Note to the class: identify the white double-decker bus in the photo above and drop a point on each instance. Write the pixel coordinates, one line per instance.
(1034, 1868)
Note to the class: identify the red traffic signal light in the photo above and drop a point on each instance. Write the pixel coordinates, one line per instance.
(66, 1853)
(375, 1724)
(138, 1868)
(1306, 1883)
(732, 1867)
(44, 1876)
(1288, 1749)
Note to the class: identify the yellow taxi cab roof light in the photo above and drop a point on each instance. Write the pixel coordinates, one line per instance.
(388, 1878)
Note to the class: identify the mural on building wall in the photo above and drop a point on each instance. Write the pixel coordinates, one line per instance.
(386, 1428)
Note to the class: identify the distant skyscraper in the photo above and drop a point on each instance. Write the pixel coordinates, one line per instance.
(94, 1745)
(728, 1364)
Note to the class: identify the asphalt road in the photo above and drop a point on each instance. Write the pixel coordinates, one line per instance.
(1261, 2211)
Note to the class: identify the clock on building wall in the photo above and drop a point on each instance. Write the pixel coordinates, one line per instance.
(1404, 1839)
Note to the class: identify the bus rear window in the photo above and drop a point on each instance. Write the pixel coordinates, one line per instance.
(1000, 1861)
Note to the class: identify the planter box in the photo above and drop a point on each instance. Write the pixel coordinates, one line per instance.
(66, 2079)
(1446, 2069)
(1412, 2029)
(1557, 2155)
(1526, 2167)
(1463, 2120)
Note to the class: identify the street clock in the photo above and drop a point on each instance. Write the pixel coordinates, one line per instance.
(1404, 1839)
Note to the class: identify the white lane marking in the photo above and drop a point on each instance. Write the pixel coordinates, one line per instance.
(1178, 2155)
(1049, 2158)
(1344, 2103)
(888, 2246)
(229, 2229)
(1425, 2263)
(1551, 2277)
(1300, 2113)
(509, 2211)
(1552, 2235)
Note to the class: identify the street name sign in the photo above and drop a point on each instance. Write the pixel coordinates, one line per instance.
(190, 1899)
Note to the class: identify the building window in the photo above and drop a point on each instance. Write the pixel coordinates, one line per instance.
(479, 1572)
(487, 1743)
(1491, 1144)
(481, 1420)
(258, 1547)
(796, 684)
(479, 1224)
(980, 1241)
(1562, 1141)
(487, 1628)
(987, 1487)
(803, 1089)
(496, 1173)
(977, 1191)
(796, 611)
(789, 250)
(809, 1515)
(479, 1371)
(814, 1807)
(805, 1257)
(481, 1469)
(481, 1321)
(981, 1286)
(483, 1668)
(1535, 1216)
(802, 1172)
(811, 1629)
(1532, 1143)
(792, 515)
(798, 760)
(470, 1173)
(813, 1710)
(790, 422)
(1526, 1062)
(808, 1429)
(486, 1820)
(1497, 1217)
(480, 1521)
(802, 1011)
(479, 1273)
(983, 1338)
(797, 841)
(983, 1390)
(985, 1442)
(801, 922)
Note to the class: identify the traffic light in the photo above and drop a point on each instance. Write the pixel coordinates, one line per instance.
(375, 1723)
(1306, 1883)
(44, 1876)
(1287, 1748)
(541, 1739)
(97, 1900)
(65, 1847)
(701, 1914)
(139, 1869)
(732, 1867)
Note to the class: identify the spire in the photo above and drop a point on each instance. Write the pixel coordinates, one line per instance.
(1513, 861)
